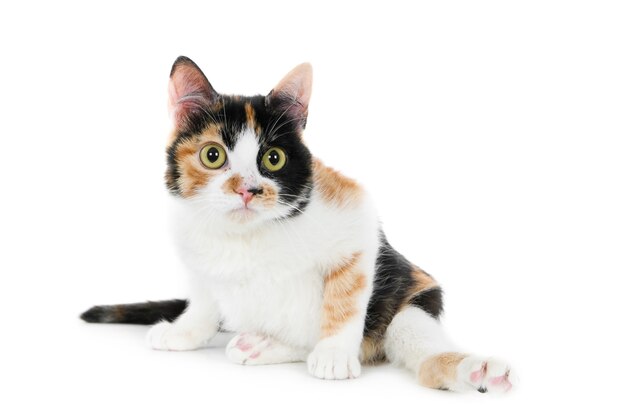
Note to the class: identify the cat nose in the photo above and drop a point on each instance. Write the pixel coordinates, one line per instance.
(248, 193)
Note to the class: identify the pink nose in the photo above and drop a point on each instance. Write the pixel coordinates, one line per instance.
(248, 194)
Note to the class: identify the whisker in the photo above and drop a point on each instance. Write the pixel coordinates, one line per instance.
(271, 130)
(224, 112)
(290, 205)
(272, 135)
(288, 121)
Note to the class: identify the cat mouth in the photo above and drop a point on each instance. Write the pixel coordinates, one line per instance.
(243, 213)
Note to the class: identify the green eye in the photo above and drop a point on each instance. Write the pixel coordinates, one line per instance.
(274, 159)
(213, 156)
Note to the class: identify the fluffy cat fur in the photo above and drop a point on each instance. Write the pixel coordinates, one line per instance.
(292, 260)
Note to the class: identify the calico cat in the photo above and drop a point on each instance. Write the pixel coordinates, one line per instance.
(287, 252)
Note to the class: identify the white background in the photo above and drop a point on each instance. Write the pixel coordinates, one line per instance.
(491, 134)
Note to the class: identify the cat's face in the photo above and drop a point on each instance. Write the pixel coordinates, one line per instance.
(239, 159)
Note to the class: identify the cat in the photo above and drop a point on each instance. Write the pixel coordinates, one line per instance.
(287, 252)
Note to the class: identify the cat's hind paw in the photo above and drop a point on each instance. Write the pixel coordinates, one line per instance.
(260, 349)
(486, 375)
(246, 348)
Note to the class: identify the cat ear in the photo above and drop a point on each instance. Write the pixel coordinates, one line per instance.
(189, 91)
(291, 95)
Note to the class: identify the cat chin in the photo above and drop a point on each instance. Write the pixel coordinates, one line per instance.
(243, 215)
(246, 220)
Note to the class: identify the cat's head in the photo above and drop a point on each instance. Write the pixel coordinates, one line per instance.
(242, 159)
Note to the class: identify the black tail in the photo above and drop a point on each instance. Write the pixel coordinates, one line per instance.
(139, 313)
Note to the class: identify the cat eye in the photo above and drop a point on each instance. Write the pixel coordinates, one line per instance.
(213, 156)
(274, 159)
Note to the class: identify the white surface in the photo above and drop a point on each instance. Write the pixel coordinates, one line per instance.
(490, 133)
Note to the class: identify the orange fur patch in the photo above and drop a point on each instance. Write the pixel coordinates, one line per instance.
(194, 175)
(334, 187)
(218, 106)
(268, 197)
(232, 184)
(251, 118)
(186, 149)
(439, 371)
(212, 134)
(249, 114)
(422, 281)
(341, 286)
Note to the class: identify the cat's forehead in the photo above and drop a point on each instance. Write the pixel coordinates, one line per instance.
(236, 117)
(245, 150)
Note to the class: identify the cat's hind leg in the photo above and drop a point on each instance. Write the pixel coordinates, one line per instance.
(415, 340)
(260, 349)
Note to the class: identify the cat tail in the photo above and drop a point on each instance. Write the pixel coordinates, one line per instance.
(150, 312)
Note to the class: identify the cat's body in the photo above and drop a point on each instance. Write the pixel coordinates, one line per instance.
(252, 278)
(287, 252)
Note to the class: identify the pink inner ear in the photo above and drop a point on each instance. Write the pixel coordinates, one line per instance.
(189, 91)
(295, 87)
(181, 107)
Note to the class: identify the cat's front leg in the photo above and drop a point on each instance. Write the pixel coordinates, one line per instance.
(191, 330)
(347, 289)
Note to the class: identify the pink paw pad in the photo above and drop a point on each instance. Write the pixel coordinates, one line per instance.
(247, 348)
(502, 382)
(242, 345)
(477, 376)
(490, 375)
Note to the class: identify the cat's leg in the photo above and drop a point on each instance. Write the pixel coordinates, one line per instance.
(416, 341)
(347, 289)
(191, 330)
(259, 349)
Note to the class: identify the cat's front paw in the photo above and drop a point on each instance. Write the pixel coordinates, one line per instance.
(486, 375)
(168, 336)
(333, 363)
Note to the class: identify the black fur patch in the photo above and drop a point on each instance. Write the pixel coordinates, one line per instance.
(138, 313)
(392, 285)
(431, 301)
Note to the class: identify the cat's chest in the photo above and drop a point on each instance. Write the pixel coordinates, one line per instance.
(269, 283)
(285, 304)
(266, 257)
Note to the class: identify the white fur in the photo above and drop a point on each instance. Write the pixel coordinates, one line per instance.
(243, 159)
(412, 336)
(191, 330)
